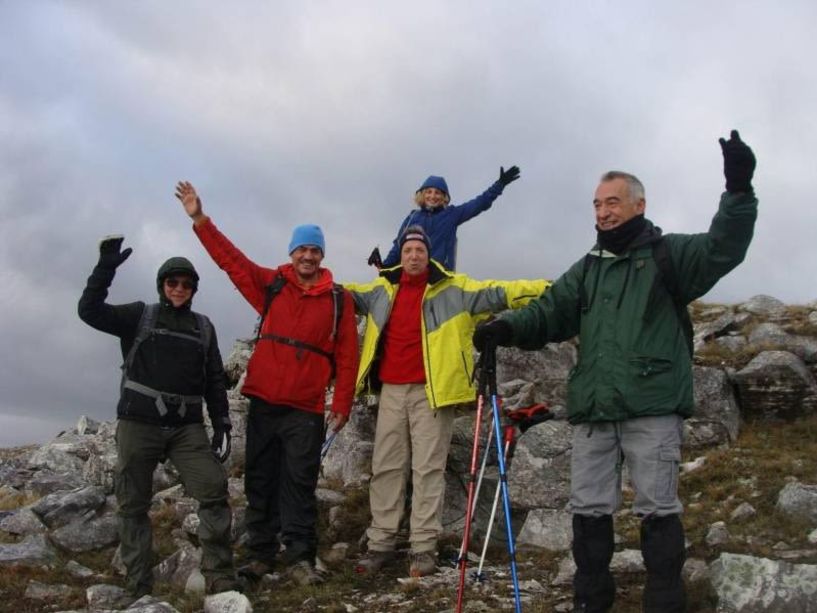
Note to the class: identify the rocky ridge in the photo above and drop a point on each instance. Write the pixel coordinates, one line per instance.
(755, 364)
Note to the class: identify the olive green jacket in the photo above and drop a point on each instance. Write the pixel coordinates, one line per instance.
(633, 356)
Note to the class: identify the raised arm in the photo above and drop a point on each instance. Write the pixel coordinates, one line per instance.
(472, 208)
(248, 277)
(92, 308)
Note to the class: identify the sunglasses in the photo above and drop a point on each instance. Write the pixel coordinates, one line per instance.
(186, 283)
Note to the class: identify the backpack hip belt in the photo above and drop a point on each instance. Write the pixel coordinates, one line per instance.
(299, 345)
(161, 397)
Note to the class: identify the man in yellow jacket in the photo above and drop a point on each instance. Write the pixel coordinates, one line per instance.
(420, 318)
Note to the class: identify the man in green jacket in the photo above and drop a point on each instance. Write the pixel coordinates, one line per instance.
(632, 385)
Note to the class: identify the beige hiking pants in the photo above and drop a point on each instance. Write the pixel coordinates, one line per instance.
(409, 436)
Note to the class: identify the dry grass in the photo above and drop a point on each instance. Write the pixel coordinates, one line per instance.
(14, 500)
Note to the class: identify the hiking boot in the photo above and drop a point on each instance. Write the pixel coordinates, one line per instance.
(373, 561)
(304, 573)
(254, 570)
(224, 584)
(422, 563)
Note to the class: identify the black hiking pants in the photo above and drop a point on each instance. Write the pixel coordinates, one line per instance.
(281, 474)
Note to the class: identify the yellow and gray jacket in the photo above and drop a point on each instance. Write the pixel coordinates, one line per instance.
(452, 305)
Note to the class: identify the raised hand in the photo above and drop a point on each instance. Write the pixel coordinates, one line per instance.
(190, 200)
(738, 164)
(110, 251)
(508, 176)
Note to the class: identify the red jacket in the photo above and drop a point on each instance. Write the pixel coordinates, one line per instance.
(275, 373)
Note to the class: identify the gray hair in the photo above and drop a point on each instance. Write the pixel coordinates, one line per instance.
(636, 188)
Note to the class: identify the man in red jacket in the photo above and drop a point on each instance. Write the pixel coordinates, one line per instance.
(306, 338)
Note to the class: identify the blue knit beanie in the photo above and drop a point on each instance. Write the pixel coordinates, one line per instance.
(307, 234)
(438, 182)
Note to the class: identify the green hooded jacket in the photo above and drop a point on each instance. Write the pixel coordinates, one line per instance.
(633, 356)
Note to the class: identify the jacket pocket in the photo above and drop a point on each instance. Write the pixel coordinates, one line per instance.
(651, 385)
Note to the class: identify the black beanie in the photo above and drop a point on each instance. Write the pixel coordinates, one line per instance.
(415, 233)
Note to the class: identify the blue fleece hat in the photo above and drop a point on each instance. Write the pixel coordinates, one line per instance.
(438, 182)
(307, 234)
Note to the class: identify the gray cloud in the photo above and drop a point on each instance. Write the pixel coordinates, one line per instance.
(334, 112)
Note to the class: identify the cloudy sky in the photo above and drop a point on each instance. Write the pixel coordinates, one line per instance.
(333, 113)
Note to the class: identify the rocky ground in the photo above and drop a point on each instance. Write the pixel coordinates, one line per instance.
(749, 481)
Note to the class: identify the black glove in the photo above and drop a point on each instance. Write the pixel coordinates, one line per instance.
(496, 332)
(110, 255)
(508, 176)
(738, 164)
(221, 444)
(374, 258)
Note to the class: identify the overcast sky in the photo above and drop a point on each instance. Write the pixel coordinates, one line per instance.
(333, 113)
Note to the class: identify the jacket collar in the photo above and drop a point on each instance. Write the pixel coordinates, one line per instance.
(436, 273)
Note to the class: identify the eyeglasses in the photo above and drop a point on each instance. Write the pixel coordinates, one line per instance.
(186, 283)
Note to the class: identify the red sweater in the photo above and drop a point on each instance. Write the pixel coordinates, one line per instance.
(275, 373)
(402, 360)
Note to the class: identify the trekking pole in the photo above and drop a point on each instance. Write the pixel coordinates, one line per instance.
(503, 475)
(524, 419)
(463, 560)
(327, 444)
(485, 451)
(509, 437)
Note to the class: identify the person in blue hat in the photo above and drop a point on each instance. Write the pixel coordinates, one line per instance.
(440, 220)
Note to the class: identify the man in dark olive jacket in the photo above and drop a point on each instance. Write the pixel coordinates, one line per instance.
(632, 385)
(172, 367)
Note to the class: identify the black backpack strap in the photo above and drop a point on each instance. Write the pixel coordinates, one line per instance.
(147, 321)
(270, 292)
(299, 345)
(584, 301)
(337, 302)
(669, 278)
(205, 338)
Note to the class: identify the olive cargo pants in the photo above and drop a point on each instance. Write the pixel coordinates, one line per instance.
(140, 448)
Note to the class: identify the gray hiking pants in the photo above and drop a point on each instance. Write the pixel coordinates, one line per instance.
(651, 448)
(140, 448)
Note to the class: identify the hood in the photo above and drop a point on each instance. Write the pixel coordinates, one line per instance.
(175, 266)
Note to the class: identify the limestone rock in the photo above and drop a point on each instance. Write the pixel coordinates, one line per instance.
(227, 602)
(34, 550)
(800, 500)
(776, 385)
(746, 584)
(547, 528)
(539, 474)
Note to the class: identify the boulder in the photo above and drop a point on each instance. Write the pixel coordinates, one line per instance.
(717, 417)
(61, 508)
(800, 500)
(539, 473)
(776, 385)
(746, 584)
(33, 550)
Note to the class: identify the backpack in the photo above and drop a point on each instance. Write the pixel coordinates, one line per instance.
(667, 277)
(146, 327)
(271, 291)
